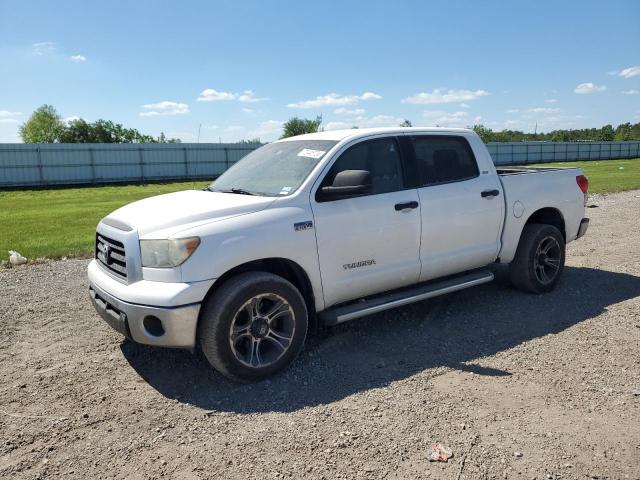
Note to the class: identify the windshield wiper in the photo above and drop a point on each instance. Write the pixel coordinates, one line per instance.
(238, 191)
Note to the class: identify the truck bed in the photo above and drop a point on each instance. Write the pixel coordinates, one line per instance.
(523, 170)
(529, 189)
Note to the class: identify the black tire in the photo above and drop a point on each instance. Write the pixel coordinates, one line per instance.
(531, 270)
(229, 354)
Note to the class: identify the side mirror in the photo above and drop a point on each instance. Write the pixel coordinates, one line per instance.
(348, 183)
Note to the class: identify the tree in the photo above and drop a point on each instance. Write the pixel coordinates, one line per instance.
(105, 131)
(299, 126)
(406, 123)
(607, 133)
(44, 126)
(485, 133)
(251, 141)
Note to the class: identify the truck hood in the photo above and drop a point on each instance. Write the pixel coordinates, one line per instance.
(185, 208)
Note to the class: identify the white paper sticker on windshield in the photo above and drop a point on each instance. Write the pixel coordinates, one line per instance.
(307, 152)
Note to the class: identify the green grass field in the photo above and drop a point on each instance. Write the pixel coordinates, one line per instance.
(607, 176)
(61, 222)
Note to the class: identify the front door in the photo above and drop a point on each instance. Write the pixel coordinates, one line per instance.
(368, 244)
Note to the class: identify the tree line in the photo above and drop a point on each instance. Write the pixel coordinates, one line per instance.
(623, 132)
(46, 126)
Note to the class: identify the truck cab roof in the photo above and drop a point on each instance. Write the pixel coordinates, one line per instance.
(355, 133)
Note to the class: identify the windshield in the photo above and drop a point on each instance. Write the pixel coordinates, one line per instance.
(274, 169)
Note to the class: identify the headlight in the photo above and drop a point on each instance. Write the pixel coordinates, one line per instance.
(167, 253)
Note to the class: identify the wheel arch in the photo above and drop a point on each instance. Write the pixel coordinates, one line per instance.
(283, 267)
(548, 216)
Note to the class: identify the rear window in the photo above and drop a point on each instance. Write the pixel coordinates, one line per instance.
(444, 159)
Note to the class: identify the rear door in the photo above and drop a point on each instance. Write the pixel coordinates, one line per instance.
(368, 244)
(461, 206)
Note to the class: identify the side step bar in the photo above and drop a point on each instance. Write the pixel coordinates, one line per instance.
(398, 298)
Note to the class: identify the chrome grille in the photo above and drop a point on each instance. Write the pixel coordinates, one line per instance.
(110, 253)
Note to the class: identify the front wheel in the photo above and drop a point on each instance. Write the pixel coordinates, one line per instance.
(539, 259)
(254, 325)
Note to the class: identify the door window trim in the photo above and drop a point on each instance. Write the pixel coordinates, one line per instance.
(422, 181)
(402, 154)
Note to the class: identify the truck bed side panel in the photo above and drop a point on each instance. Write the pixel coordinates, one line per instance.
(530, 190)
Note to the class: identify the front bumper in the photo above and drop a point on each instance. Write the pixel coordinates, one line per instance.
(584, 225)
(153, 313)
(166, 327)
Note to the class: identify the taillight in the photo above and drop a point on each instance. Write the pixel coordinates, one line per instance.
(583, 183)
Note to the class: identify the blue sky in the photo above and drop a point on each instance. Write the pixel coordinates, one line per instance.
(239, 69)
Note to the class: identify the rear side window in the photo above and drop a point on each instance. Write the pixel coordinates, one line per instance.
(380, 157)
(444, 159)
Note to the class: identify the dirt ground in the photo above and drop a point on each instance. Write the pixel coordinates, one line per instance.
(519, 386)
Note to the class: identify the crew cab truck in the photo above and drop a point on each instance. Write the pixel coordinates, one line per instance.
(324, 228)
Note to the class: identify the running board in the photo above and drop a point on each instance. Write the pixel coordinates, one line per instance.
(394, 299)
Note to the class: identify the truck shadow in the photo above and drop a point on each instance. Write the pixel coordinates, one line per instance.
(450, 332)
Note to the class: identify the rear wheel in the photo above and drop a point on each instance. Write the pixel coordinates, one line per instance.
(539, 259)
(254, 325)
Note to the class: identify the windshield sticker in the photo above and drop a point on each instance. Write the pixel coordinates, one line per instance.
(285, 191)
(307, 152)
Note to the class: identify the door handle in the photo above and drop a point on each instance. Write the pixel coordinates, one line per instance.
(404, 206)
(490, 193)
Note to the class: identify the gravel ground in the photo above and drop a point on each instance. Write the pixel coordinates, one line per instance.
(519, 386)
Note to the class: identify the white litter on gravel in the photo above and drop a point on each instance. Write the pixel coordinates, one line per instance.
(15, 258)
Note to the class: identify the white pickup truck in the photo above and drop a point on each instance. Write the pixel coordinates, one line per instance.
(324, 228)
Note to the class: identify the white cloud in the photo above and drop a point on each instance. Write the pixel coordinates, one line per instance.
(78, 58)
(71, 118)
(513, 110)
(7, 113)
(347, 111)
(630, 72)
(589, 87)
(543, 110)
(379, 121)
(334, 100)
(612, 72)
(43, 48)
(269, 129)
(370, 96)
(551, 100)
(164, 108)
(338, 125)
(7, 116)
(249, 97)
(248, 110)
(366, 122)
(465, 105)
(630, 92)
(441, 95)
(449, 119)
(211, 95)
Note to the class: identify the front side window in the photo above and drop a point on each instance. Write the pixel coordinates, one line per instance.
(380, 157)
(276, 169)
(444, 159)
